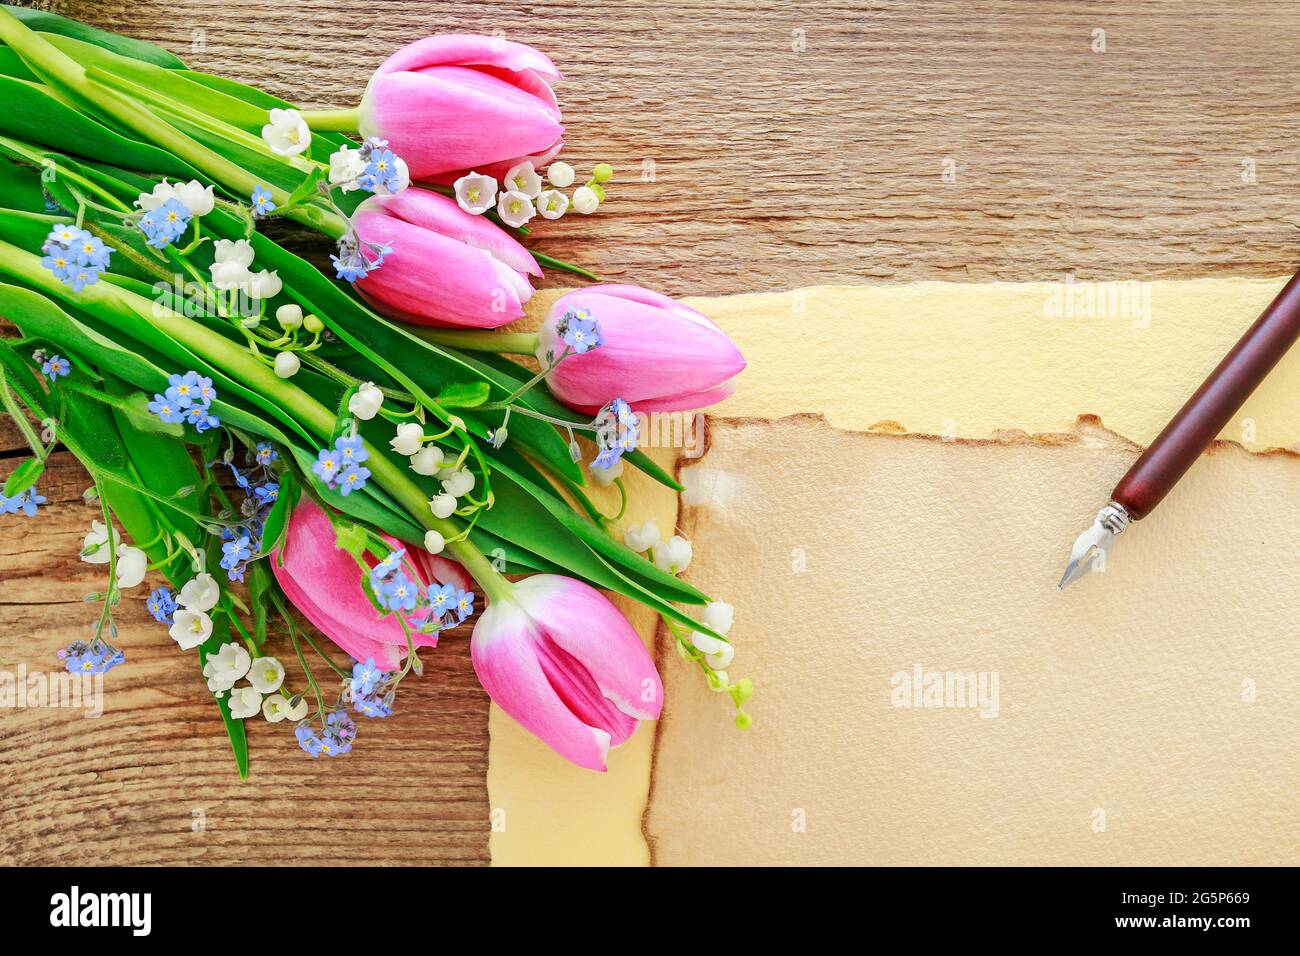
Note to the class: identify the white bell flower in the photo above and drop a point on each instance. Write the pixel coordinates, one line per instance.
(642, 537)
(719, 615)
(287, 134)
(287, 364)
(366, 401)
(459, 484)
(233, 252)
(199, 594)
(409, 439)
(427, 461)
(552, 204)
(523, 179)
(264, 285)
(442, 505)
(606, 476)
(226, 666)
(190, 628)
(132, 565)
(585, 200)
(346, 167)
(244, 702)
(289, 316)
(560, 174)
(515, 209)
(434, 542)
(674, 555)
(266, 674)
(722, 658)
(94, 548)
(476, 193)
(705, 643)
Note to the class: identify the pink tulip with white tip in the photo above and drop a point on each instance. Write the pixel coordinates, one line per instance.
(561, 660)
(447, 267)
(454, 103)
(656, 354)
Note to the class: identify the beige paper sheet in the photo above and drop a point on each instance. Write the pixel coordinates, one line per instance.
(1148, 715)
(959, 361)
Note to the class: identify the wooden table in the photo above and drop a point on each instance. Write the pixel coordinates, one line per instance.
(760, 145)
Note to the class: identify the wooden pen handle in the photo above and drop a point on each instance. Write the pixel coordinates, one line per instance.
(1206, 413)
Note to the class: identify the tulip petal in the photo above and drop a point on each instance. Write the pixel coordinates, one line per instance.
(593, 639)
(441, 214)
(431, 279)
(442, 123)
(323, 582)
(470, 49)
(505, 660)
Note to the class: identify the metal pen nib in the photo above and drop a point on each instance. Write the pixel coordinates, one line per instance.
(1093, 546)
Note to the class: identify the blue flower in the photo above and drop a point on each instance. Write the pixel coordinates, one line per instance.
(162, 605)
(265, 453)
(339, 724)
(266, 494)
(372, 706)
(183, 390)
(326, 466)
(25, 501)
(200, 418)
(617, 432)
(234, 553)
(349, 269)
(166, 223)
(94, 657)
(580, 333)
(308, 740)
(352, 450)
(74, 256)
(381, 171)
(166, 409)
(387, 566)
(353, 479)
(442, 599)
(399, 593)
(56, 366)
(365, 677)
(261, 199)
(464, 605)
(332, 745)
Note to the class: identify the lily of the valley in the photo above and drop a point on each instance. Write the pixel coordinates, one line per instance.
(409, 438)
(673, 555)
(244, 702)
(225, 667)
(476, 193)
(277, 707)
(190, 628)
(266, 674)
(287, 134)
(366, 401)
(561, 660)
(193, 195)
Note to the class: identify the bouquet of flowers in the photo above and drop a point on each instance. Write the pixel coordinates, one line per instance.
(357, 445)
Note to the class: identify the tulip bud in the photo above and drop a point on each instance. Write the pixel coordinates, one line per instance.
(287, 364)
(655, 353)
(322, 582)
(560, 659)
(447, 267)
(452, 103)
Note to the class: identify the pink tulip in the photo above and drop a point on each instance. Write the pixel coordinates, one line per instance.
(451, 104)
(447, 267)
(656, 354)
(324, 583)
(561, 660)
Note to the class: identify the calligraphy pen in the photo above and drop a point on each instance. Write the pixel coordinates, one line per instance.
(1189, 432)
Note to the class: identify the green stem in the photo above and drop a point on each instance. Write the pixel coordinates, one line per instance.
(510, 343)
(86, 86)
(109, 300)
(332, 121)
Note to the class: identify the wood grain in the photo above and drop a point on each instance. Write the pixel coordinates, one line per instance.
(760, 145)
